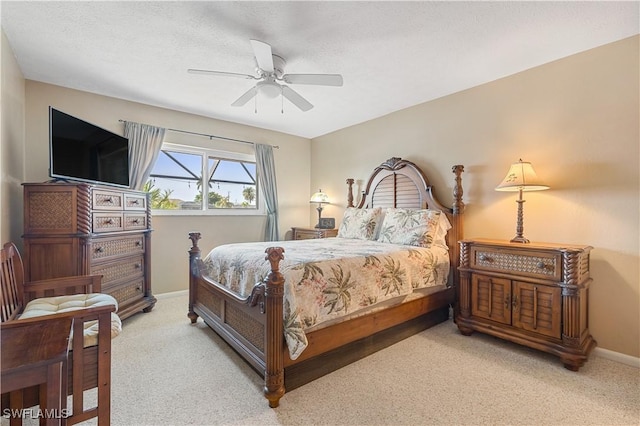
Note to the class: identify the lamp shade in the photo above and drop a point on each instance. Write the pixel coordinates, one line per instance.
(521, 176)
(319, 197)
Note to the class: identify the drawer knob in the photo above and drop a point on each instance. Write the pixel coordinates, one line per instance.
(108, 221)
(540, 265)
(138, 243)
(485, 258)
(135, 202)
(136, 221)
(137, 266)
(100, 249)
(108, 200)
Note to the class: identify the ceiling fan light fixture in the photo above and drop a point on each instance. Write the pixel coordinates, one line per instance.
(269, 72)
(270, 89)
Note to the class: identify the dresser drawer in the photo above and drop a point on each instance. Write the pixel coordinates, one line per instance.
(133, 202)
(107, 222)
(532, 263)
(119, 270)
(135, 221)
(104, 248)
(128, 292)
(107, 200)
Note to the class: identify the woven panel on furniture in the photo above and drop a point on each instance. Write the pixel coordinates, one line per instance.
(135, 221)
(248, 327)
(114, 247)
(128, 292)
(118, 270)
(515, 262)
(210, 301)
(50, 210)
(107, 223)
(105, 199)
(134, 202)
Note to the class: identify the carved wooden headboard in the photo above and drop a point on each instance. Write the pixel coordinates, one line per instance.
(401, 184)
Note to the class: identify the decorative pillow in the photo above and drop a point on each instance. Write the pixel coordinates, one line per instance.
(440, 237)
(361, 224)
(411, 227)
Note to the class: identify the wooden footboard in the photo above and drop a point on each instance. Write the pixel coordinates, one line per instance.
(253, 326)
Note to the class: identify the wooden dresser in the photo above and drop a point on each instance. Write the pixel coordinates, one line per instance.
(536, 295)
(83, 229)
(298, 233)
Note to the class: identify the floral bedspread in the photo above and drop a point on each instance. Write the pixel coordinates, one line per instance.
(328, 278)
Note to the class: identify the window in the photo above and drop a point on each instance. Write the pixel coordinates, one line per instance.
(193, 180)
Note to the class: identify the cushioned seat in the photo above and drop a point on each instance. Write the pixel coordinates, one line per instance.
(53, 305)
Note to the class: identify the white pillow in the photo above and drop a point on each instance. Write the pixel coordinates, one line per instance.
(414, 227)
(361, 224)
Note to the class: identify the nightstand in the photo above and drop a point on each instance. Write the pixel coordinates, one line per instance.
(312, 233)
(534, 294)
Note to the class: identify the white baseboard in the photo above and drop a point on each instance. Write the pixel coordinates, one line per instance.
(618, 357)
(171, 294)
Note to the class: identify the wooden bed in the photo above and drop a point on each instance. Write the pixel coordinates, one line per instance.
(253, 325)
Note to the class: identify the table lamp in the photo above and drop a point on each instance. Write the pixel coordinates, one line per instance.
(320, 198)
(521, 177)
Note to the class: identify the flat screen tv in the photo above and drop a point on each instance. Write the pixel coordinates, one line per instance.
(85, 152)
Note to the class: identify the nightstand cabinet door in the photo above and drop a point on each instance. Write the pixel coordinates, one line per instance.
(491, 298)
(537, 308)
(535, 295)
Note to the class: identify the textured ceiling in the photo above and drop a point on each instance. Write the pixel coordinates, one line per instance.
(392, 55)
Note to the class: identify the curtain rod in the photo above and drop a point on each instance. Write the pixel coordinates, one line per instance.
(209, 136)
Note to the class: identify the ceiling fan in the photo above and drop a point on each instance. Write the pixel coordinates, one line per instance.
(270, 74)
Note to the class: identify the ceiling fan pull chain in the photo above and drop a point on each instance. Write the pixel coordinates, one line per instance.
(255, 104)
(281, 103)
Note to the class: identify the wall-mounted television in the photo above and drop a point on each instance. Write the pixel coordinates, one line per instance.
(82, 151)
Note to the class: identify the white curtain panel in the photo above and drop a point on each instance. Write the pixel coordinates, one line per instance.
(145, 142)
(267, 180)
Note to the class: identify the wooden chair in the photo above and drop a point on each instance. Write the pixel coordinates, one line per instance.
(88, 366)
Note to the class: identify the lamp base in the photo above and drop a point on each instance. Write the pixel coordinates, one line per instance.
(519, 239)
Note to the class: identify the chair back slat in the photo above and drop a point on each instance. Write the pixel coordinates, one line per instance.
(11, 282)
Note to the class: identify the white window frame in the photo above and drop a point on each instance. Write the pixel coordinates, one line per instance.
(205, 211)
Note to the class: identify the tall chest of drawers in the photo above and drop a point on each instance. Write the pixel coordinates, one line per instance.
(536, 295)
(83, 229)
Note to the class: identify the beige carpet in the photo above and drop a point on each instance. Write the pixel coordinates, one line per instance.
(169, 372)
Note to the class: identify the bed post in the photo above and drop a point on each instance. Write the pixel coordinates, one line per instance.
(458, 209)
(350, 192)
(274, 350)
(194, 257)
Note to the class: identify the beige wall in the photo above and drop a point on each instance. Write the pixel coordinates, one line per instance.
(12, 94)
(576, 120)
(169, 239)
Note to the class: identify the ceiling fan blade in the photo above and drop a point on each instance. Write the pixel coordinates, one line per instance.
(296, 99)
(317, 79)
(262, 52)
(246, 97)
(221, 73)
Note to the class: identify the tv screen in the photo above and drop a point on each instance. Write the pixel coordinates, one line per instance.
(82, 151)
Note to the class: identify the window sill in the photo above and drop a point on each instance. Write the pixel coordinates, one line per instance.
(227, 212)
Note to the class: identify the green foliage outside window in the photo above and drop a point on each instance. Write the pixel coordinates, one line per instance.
(160, 198)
